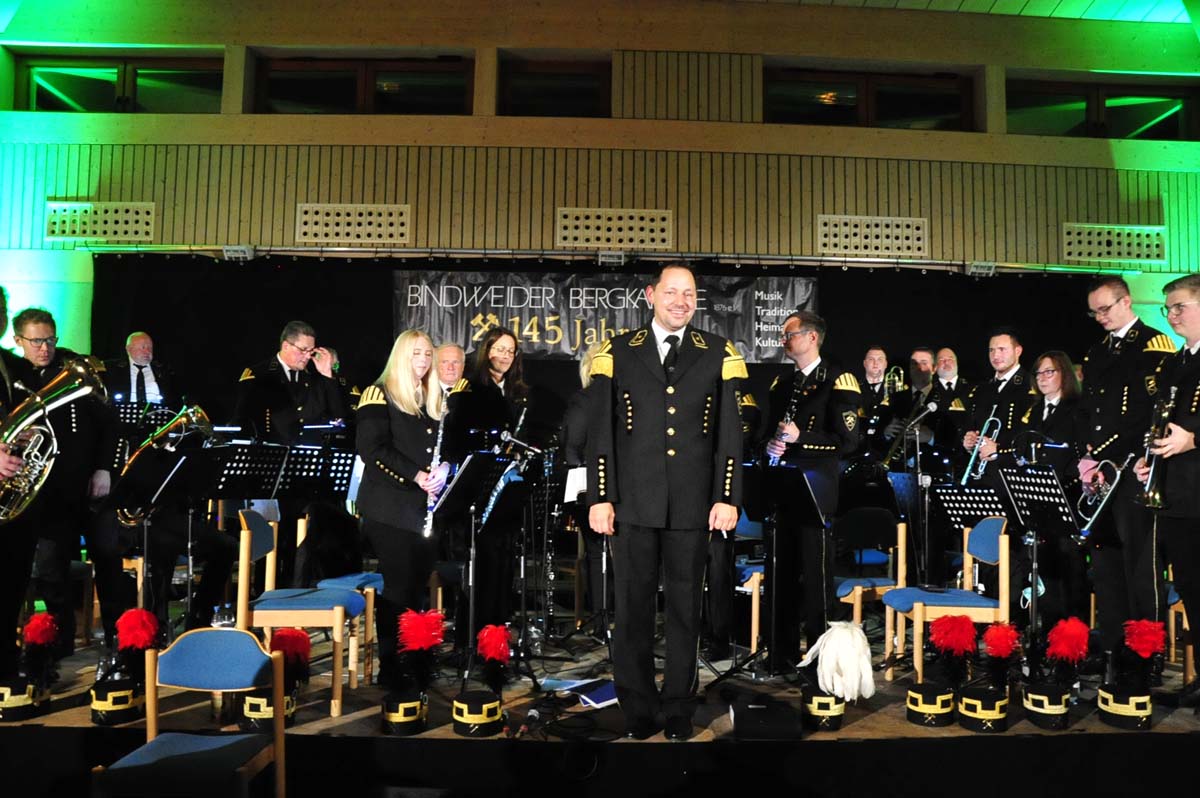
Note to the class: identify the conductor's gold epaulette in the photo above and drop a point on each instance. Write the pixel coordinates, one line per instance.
(462, 386)
(373, 395)
(1160, 343)
(734, 367)
(847, 382)
(602, 361)
(247, 374)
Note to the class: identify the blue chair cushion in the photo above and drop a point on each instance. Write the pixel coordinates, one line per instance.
(188, 661)
(870, 557)
(309, 598)
(902, 599)
(359, 581)
(845, 585)
(1172, 594)
(745, 571)
(192, 764)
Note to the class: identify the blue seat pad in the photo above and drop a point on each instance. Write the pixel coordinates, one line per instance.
(845, 585)
(902, 599)
(173, 763)
(359, 581)
(870, 557)
(744, 572)
(308, 598)
(1172, 594)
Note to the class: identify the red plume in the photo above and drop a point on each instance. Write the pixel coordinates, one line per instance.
(420, 631)
(40, 630)
(1000, 640)
(953, 634)
(137, 630)
(1145, 638)
(1068, 641)
(294, 643)
(493, 643)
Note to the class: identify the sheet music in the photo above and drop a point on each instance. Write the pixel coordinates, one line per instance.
(576, 483)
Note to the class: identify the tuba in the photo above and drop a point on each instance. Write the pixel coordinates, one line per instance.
(189, 419)
(27, 431)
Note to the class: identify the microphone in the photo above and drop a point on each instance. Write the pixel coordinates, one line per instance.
(531, 718)
(507, 437)
(929, 408)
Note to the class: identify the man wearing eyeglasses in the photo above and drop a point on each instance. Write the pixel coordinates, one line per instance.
(86, 435)
(1178, 521)
(814, 419)
(1126, 565)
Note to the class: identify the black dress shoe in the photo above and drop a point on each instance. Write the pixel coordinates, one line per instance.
(678, 728)
(1157, 665)
(1189, 694)
(642, 729)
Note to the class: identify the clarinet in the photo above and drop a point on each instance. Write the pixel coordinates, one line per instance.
(547, 470)
(773, 460)
(437, 461)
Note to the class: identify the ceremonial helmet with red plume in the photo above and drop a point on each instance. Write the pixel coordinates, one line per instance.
(1001, 642)
(417, 635)
(297, 650)
(1066, 648)
(955, 639)
(1143, 639)
(37, 653)
(137, 630)
(492, 643)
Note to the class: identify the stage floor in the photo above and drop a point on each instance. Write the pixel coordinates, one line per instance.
(574, 750)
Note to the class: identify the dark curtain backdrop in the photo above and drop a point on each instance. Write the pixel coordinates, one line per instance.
(210, 319)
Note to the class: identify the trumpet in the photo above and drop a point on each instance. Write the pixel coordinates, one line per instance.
(1092, 503)
(1151, 496)
(975, 469)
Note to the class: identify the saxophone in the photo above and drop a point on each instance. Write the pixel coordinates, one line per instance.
(27, 431)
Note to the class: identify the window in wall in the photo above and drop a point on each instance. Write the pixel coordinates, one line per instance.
(176, 86)
(326, 86)
(554, 88)
(796, 96)
(1163, 113)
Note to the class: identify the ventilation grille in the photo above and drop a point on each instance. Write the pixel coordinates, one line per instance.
(347, 223)
(100, 221)
(872, 236)
(614, 229)
(1114, 243)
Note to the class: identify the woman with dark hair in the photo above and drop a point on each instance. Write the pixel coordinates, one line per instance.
(499, 393)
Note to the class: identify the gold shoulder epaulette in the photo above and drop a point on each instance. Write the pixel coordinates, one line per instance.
(462, 386)
(1160, 343)
(847, 382)
(734, 367)
(247, 374)
(373, 395)
(602, 361)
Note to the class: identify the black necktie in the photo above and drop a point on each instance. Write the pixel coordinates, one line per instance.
(672, 354)
(948, 387)
(1049, 410)
(139, 386)
(294, 376)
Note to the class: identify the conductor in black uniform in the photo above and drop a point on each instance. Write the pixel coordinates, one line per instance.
(814, 415)
(664, 469)
(1179, 519)
(1127, 566)
(276, 398)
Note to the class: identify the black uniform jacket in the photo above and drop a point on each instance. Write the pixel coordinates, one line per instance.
(825, 408)
(273, 409)
(574, 429)
(394, 446)
(1058, 441)
(1009, 403)
(1181, 474)
(663, 452)
(13, 369)
(116, 379)
(1116, 378)
(951, 416)
(878, 410)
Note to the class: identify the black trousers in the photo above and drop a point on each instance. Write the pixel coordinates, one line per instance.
(637, 554)
(18, 540)
(212, 549)
(1181, 537)
(718, 595)
(405, 560)
(799, 580)
(1128, 575)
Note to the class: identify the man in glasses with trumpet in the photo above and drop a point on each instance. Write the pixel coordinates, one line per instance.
(1118, 372)
(1178, 517)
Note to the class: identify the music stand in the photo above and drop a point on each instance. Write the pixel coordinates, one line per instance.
(792, 482)
(472, 491)
(315, 473)
(1042, 508)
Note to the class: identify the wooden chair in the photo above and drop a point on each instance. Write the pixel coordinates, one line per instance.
(861, 533)
(305, 608)
(986, 542)
(202, 764)
(1176, 615)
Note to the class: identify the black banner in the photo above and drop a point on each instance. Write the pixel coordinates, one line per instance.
(560, 314)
